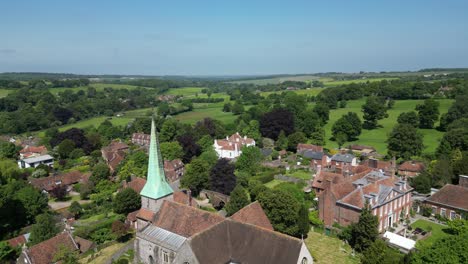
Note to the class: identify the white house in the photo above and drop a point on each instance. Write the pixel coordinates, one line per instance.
(36, 161)
(230, 148)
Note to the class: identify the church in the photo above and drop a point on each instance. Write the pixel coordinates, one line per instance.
(170, 230)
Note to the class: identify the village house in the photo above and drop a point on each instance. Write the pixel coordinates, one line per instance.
(44, 252)
(33, 162)
(451, 201)
(19, 241)
(362, 150)
(32, 151)
(411, 168)
(388, 197)
(114, 154)
(174, 169)
(231, 147)
(141, 139)
(167, 98)
(387, 167)
(47, 184)
(301, 148)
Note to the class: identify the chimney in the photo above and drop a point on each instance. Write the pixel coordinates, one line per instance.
(463, 181)
(319, 169)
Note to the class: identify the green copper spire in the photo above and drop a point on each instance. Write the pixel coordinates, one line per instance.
(156, 185)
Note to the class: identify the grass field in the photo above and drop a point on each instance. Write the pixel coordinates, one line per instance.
(185, 91)
(436, 229)
(5, 92)
(200, 113)
(300, 174)
(337, 83)
(309, 92)
(273, 183)
(329, 82)
(325, 249)
(377, 137)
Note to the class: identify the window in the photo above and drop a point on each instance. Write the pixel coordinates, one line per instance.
(434, 210)
(304, 261)
(443, 212)
(165, 256)
(453, 215)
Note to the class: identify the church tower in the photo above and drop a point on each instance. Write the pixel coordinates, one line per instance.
(156, 188)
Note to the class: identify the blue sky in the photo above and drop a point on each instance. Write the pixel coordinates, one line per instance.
(197, 37)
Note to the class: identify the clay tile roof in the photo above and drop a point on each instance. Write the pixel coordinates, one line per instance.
(145, 214)
(182, 198)
(413, 166)
(33, 149)
(136, 184)
(355, 198)
(83, 244)
(189, 220)
(132, 217)
(311, 147)
(323, 176)
(253, 214)
(44, 252)
(49, 183)
(17, 241)
(451, 195)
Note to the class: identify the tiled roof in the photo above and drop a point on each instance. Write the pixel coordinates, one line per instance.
(49, 183)
(182, 198)
(324, 176)
(184, 220)
(83, 244)
(17, 241)
(377, 164)
(253, 214)
(33, 149)
(302, 147)
(132, 217)
(451, 195)
(136, 184)
(413, 166)
(145, 214)
(44, 252)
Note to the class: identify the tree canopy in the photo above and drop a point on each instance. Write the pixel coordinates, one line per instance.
(405, 141)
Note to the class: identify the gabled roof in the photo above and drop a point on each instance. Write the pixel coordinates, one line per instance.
(49, 183)
(145, 214)
(44, 252)
(302, 147)
(38, 159)
(413, 166)
(343, 157)
(451, 195)
(313, 155)
(136, 184)
(18, 241)
(184, 220)
(323, 176)
(33, 149)
(253, 214)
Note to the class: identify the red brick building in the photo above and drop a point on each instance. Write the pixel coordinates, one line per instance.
(342, 202)
(141, 139)
(49, 183)
(114, 154)
(451, 201)
(410, 168)
(174, 169)
(303, 147)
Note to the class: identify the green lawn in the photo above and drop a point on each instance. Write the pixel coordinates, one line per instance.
(300, 174)
(436, 229)
(325, 249)
(309, 92)
(377, 137)
(185, 91)
(5, 92)
(198, 114)
(337, 83)
(273, 183)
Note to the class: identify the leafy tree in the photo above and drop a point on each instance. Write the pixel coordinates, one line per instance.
(7, 253)
(75, 209)
(460, 167)
(9, 171)
(59, 192)
(86, 190)
(65, 255)
(447, 249)
(222, 178)
(282, 210)
(65, 148)
(208, 126)
(405, 141)
(348, 124)
(272, 123)
(126, 201)
(295, 190)
(282, 141)
(210, 156)
(43, 229)
(237, 108)
(33, 201)
(77, 136)
(189, 146)
(135, 163)
(379, 252)
(206, 143)
(164, 109)
(255, 188)
(196, 176)
(238, 199)
(227, 107)
(410, 118)
(341, 138)
(294, 139)
(100, 173)
(428, 113)
(374, 109)
(442, 173)
(323, 112)
(365, 231)
(249, 160)
(171, 150)
(318, 137)
(8, 150)
(303, 221)
(168, 130)
(422, 183)
(119, 229)
(458, 226)
(252, 130)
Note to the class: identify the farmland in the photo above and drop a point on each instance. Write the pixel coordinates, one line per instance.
(5, 92)
(328, 82)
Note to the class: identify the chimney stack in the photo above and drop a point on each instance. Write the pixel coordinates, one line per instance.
(463, 181)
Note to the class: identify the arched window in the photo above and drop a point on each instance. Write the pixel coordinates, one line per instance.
(151, 260)
(304, 261)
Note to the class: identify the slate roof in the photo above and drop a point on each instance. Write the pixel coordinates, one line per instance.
(348, 158)
(38, 159)
(313, 155)
(157, 235)
(451, 195)
(253, 214)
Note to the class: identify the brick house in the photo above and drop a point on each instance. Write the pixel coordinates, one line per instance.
(141, 139)
(114, 154)
(230, 148)
(301, 148)
(174, 169)
(67, 179)
(451, 201)
(388, 197)
(410, 168)
(316, 159)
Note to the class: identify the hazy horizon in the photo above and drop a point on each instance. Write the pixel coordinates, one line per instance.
(242, 38)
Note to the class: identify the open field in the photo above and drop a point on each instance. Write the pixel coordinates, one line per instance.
(309, 92)
(185, 91)
(300, 174)
(436, 229)
(5, 92)
(273, 183)
(337, 83)
(377, 137)
(200, 113)
(307, 78)
(325, 249)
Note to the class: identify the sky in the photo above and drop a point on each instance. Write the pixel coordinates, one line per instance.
(231, 37)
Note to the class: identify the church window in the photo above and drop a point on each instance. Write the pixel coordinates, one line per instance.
(165, 256)
(304, 261)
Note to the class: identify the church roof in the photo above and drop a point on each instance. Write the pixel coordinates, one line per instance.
(253, 214)
(156, 185)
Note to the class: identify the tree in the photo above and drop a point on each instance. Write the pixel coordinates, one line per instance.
(447, 249)
(227, 107)
(365, 231)
(348, 124)
(43, 229)
(59, 192)
(374, 109)
(442, 173)
(222, 178)
(100, 173)
(119, 229)
(249, 160)
(238, 199)
(323, 112)
(164, 109)
(9, 171)
(410, 118)
(303, 221)
(65, 255)
(422, 183)
(458, 226)
(428, 113)
(294, 139)
(77, 136)
(206, 143)
(33, 201)
(75, 209)
(341, 138)
(65, 148)
(196, 176)
(8, 150)
(405, 141)
(168, 130)
(379, 252)
(255, 188)
(126, 201)
(272, 123)
(171, 150)
(318, 137)
(282, 210)
(282, 141)
(252, 130)
(189, 146)
(7, 253)
(237, 108)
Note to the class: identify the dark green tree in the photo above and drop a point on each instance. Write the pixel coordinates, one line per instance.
(365, 231)
(100, 173)
(410, 118)
(238, 199)
(222, 178)
(428, 113)
(7, 253)
(282, 210)
(422, 183)
(272, 123)
(8, 150)
(349, 124)
(237, 108)
(447, 249)
(75, 209)
(65, 148)
(405, 141)
(379, 252)
(323, 112)
(255, 188)
(196, 176)
(303, 221)
(171, 150)
(126, 201)
(294, 139)
(249, 160)
(43, 229)
(282, 141)
(374, 109)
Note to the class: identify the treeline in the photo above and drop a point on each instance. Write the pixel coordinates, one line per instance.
(31, 109)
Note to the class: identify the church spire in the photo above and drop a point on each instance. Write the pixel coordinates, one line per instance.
(156, 186)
